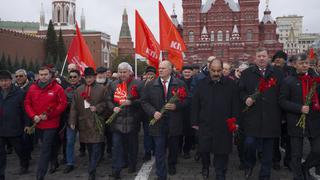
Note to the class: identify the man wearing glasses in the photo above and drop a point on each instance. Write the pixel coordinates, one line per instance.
(23, 83)
(74, 80)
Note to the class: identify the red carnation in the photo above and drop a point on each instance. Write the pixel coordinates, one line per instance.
(69, 89)
(232, 126)
(182, 93)
(134, 92)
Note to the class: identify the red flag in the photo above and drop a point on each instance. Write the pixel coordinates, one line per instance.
(170, 39)
(311, 53)
(146, 45)
(79, 52)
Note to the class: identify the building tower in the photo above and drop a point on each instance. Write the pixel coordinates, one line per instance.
(63, 14)
(125, 44)
(42, 17)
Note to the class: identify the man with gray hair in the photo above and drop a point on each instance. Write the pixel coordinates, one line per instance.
(23, 83)
(168, 126)
(22, 80)
(125, 92)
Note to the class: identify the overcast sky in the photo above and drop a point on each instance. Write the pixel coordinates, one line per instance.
(105, 15)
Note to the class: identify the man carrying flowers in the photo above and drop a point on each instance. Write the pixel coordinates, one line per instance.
(88, 106)
(215, 107)
(163, 101)
(299, 98)
(124, 100)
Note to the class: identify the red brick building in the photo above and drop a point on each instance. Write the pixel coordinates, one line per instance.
(228, 30)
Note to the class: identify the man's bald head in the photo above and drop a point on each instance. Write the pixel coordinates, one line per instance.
(165, 69)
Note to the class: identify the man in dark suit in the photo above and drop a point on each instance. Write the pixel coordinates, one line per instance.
(168, 126)
(292, 101)
(215, 100)
(261, 123)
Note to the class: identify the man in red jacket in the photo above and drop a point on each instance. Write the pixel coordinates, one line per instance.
(44, 103)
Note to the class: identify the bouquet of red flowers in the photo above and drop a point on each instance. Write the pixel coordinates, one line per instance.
(232, 126)
(86, 95)
(133, 94)
(178, 94)
(31, 130)
(263, 86)
(310, 97)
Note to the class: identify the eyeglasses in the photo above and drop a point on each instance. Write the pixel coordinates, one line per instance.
(73, 77)
(19, 76)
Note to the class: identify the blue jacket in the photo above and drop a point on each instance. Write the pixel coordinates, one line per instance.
(13, 118)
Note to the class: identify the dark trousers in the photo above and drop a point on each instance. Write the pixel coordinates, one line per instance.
(147, 139)
(220, 162)
(107, 146)
(173, 149)
(265, 145)
(160, 154)
(27, 141)
(16, 142)
(124, 143)
(94, 150)
(239, 141)
(297, 152)
(48, 150)
(284, 142)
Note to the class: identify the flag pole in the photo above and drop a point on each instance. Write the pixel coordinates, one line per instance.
(64, 65)
(135, 66)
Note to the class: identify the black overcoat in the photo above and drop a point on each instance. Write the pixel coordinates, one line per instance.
(263, 119)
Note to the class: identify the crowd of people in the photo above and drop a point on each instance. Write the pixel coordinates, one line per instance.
(261, 107)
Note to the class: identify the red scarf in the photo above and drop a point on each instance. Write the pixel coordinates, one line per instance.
(121, 93)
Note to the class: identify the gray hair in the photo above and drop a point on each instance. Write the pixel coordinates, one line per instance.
(24, 72)
(125, 65)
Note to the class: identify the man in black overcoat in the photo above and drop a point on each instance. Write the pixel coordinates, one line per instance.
(168, 128)
(215, 100)
(262, 121)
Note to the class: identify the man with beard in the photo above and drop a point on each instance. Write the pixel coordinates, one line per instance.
(215, 101)
(103, 80)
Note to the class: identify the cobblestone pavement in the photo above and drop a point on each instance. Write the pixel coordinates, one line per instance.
(186, 170)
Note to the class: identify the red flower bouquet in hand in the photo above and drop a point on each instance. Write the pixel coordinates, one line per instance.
(133, 94)
(310, 97)
(178, 94)
(232, 126)
(263, 86)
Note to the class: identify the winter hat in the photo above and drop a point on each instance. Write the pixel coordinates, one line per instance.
(4, 74)
(89, 71)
